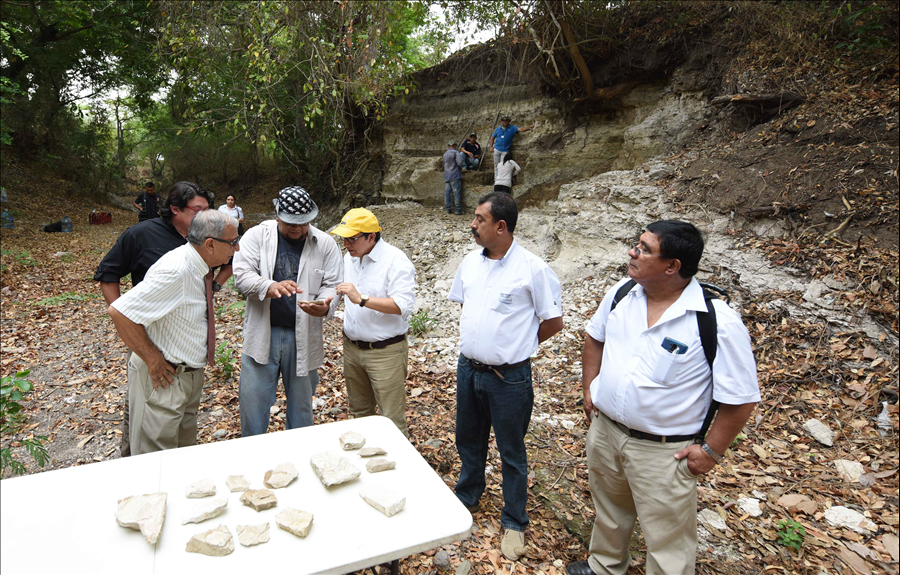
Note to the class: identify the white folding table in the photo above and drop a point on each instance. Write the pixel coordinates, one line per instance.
(64, 521)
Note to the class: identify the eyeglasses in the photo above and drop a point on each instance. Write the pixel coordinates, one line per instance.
(352, 240)
(641, 251)
(195, 210)
(231, 243)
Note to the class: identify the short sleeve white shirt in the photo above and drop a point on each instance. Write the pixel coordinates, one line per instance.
(383, 272)
(646, 388)
(504, 302)
(171, 305)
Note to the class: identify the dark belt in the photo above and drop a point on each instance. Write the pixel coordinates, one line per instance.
(650, 437)
(377, 344)
(184, 368)
(478, 366)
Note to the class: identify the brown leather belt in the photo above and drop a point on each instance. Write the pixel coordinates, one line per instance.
(377, 344)
(649, 436)
(478, 366)
(184, 368)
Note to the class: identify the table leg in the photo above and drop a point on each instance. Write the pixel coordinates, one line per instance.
(395, 567)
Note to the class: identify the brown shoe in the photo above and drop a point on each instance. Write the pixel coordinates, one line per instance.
(513, 544)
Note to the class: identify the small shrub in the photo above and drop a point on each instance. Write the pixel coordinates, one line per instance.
(421, 322)
(13, 389)
(225, 358)
(791, 534)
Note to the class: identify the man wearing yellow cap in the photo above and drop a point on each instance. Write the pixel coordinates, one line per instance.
(379, 282)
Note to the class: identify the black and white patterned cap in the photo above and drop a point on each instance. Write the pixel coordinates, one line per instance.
(294, 206)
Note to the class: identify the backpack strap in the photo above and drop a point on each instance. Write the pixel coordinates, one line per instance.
(621, 293)
(708, 327)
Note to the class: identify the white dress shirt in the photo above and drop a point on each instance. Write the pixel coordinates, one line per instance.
(171, 305)
(503, 303)
(236, 212)
(646, 388)
(505, 172)
(383, 272)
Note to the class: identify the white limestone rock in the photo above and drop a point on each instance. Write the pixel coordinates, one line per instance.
(237, 483)
(383, 499)
(250, 535)
(281, 476)
(841, 516)
(710, 518)
(371, 451)
(379, 464)
(216, 542)
(849, 470)
(259, 499)
(820, 432)
(352, 440)
(205, 510)
(332, 469)
(750, 506)
(203, 488)
(144, 513)
(295, 521)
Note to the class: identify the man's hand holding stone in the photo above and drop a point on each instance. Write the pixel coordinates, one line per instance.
(315, 309)
(349, 290)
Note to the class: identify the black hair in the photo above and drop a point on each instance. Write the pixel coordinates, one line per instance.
(503, 207)
(679, 240)
(179, 196)
(506, 157)
(149, 185)
(377, 235)
(231, 196)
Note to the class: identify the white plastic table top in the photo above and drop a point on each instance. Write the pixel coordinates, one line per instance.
(64, 521)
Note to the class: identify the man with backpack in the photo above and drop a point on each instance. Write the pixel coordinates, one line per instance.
(661, 354)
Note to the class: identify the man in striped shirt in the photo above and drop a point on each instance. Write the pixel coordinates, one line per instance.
(165, 321)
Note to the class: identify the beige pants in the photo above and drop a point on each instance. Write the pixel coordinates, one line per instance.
(632, 478)
(162, 418)
(377, 376)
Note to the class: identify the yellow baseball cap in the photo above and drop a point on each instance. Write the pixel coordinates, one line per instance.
(357, 221)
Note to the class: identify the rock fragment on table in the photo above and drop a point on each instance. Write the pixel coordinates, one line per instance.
(237, 483)
(383, 499)
(371, 451)
(295, 521)
(144, 513)
(352, 440)
(216, 542)
(281, 476)
(203, 488)
(250, 535)
(332, 469)
(259, 499)
(820, 432)
(205, 510)
(379, 464)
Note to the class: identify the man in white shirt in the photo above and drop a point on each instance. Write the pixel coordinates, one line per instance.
(379, 282)
(167, 321)
(288, 270)
(511, 302)
(649, 381)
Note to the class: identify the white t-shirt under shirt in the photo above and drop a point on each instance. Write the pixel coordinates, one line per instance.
(646, 388)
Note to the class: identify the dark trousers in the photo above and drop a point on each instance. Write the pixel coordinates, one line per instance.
(499, 188)
(483, 400)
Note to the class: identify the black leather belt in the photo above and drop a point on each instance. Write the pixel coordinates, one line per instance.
(377, 344)
(184, 368)
(650, 437)
(478, 366)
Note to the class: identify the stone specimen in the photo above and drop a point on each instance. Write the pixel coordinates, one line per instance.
(371, 452)
(250, 535)
(216, 542)
(203, 488)
(383, 499)
(841, 516)
(849, 470)
(236, 483)
(820, 432)
(710, 518)
(144, 513)
(379, 464)
(205, 510)
(259, 499)
(281, 476)
(295, 521)
(332, 469)
(352, 440)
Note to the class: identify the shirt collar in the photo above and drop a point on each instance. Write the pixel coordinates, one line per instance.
(376, 252)
(502, 261)
(196, 260)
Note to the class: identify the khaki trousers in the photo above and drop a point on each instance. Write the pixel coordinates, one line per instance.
(162, 418)
(377, 376)
(635, 478)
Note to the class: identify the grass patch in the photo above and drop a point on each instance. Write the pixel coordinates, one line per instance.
(20, 257)
(67, 297)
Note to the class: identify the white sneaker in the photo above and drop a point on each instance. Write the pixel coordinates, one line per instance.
(513, 544)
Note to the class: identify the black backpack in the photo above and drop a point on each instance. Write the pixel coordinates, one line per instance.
(706, 324)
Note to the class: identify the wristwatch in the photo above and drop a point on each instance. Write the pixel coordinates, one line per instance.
(216, 286)
(709, 451)
(363, 299)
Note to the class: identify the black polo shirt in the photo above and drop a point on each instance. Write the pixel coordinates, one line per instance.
(138, 248)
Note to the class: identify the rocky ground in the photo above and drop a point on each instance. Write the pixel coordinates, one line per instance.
(825, 340)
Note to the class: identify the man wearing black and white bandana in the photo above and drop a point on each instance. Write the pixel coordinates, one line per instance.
(285, 266)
